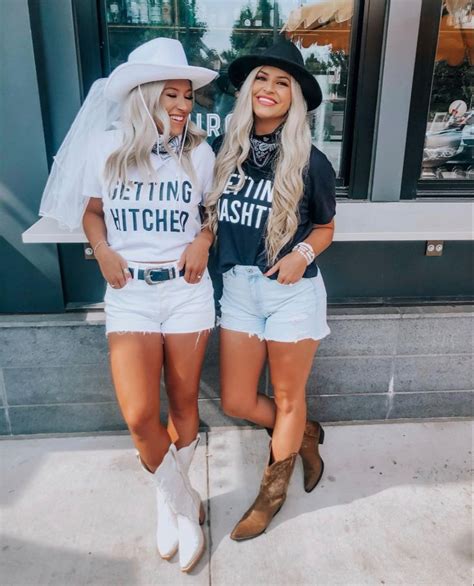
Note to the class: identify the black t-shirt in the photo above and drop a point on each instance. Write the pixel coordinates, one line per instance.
(243, 215)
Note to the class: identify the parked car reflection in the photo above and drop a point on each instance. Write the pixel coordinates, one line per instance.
(449, 150)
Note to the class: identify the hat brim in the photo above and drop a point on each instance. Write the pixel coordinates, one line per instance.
(241, 67)
(127, 76)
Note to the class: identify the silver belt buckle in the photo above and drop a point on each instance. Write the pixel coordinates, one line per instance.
(148, 275)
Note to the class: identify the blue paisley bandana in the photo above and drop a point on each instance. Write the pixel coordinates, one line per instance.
(174, 144)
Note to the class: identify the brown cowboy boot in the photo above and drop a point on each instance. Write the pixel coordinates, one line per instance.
(313, 465)
(269, 501)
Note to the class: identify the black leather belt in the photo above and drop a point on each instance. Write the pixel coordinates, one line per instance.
(154, 276)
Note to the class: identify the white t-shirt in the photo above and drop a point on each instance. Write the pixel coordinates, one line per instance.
(154, 220)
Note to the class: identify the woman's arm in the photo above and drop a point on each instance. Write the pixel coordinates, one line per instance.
(321, 237)
(196, 255)
(112, 266)
(194, 258)
(293, 265)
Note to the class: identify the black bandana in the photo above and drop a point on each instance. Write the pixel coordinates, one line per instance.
(174, 144)
(263, 147)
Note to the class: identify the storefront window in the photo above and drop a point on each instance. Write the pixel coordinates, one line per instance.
(214, 33)
(449, 142)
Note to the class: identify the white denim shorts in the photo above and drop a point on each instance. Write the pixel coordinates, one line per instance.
(169, 307)
(264, 307)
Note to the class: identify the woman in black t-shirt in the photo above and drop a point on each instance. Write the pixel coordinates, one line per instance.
(272, 209)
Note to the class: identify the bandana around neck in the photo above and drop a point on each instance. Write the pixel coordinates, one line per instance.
(264, 146)
(174, 144)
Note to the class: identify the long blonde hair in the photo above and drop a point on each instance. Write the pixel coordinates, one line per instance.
(290, 164)
(139, 136)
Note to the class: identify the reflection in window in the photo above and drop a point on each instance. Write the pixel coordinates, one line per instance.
(449, 144)
(214, 33)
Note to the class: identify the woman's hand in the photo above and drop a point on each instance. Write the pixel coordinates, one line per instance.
(113, 267)
(194, 258)
(290, 268)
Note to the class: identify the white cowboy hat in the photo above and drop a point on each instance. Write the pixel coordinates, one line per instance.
(157, 60)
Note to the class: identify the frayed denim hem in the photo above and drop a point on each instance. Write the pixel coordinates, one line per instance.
(163, 334)
(264, 338)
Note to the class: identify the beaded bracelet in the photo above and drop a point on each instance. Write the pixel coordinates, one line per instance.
(307, 256)
(306, 250)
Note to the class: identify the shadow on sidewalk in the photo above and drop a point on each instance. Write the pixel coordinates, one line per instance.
(26, 562)
(358, 465)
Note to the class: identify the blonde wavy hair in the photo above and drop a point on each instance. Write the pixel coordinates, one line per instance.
(290, 164)
(139, 136)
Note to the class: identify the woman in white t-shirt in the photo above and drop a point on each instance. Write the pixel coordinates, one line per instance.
(144, 182)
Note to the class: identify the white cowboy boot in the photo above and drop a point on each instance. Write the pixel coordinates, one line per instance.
(166, 526)
(173, 485)
(185, 457)
(167, 539)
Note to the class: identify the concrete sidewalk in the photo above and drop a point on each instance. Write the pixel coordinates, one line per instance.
(393, 507)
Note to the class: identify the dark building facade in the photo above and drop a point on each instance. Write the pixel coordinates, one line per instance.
(396, 123)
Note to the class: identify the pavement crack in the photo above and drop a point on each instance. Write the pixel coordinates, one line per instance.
(209, 548)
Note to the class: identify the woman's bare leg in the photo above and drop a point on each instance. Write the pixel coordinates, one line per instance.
(184, 355)
(241, 360)
(136, 360)
(290, 365)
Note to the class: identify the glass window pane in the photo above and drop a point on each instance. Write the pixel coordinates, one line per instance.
(214, 33)
(449, 143)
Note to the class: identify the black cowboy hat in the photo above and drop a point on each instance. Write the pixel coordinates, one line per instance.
(284, 55)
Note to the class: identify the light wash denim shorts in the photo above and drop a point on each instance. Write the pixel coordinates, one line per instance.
(170, 307)
(265, 308)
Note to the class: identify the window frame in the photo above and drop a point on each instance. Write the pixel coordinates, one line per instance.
(412, 186)
(369, 37)
(365, 61)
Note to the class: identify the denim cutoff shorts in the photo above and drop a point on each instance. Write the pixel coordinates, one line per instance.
(265, 308)
(170, 307)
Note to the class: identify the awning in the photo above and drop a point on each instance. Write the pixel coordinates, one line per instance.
(326, 23)
(321, 23)
(456, 41)
(313, 15)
